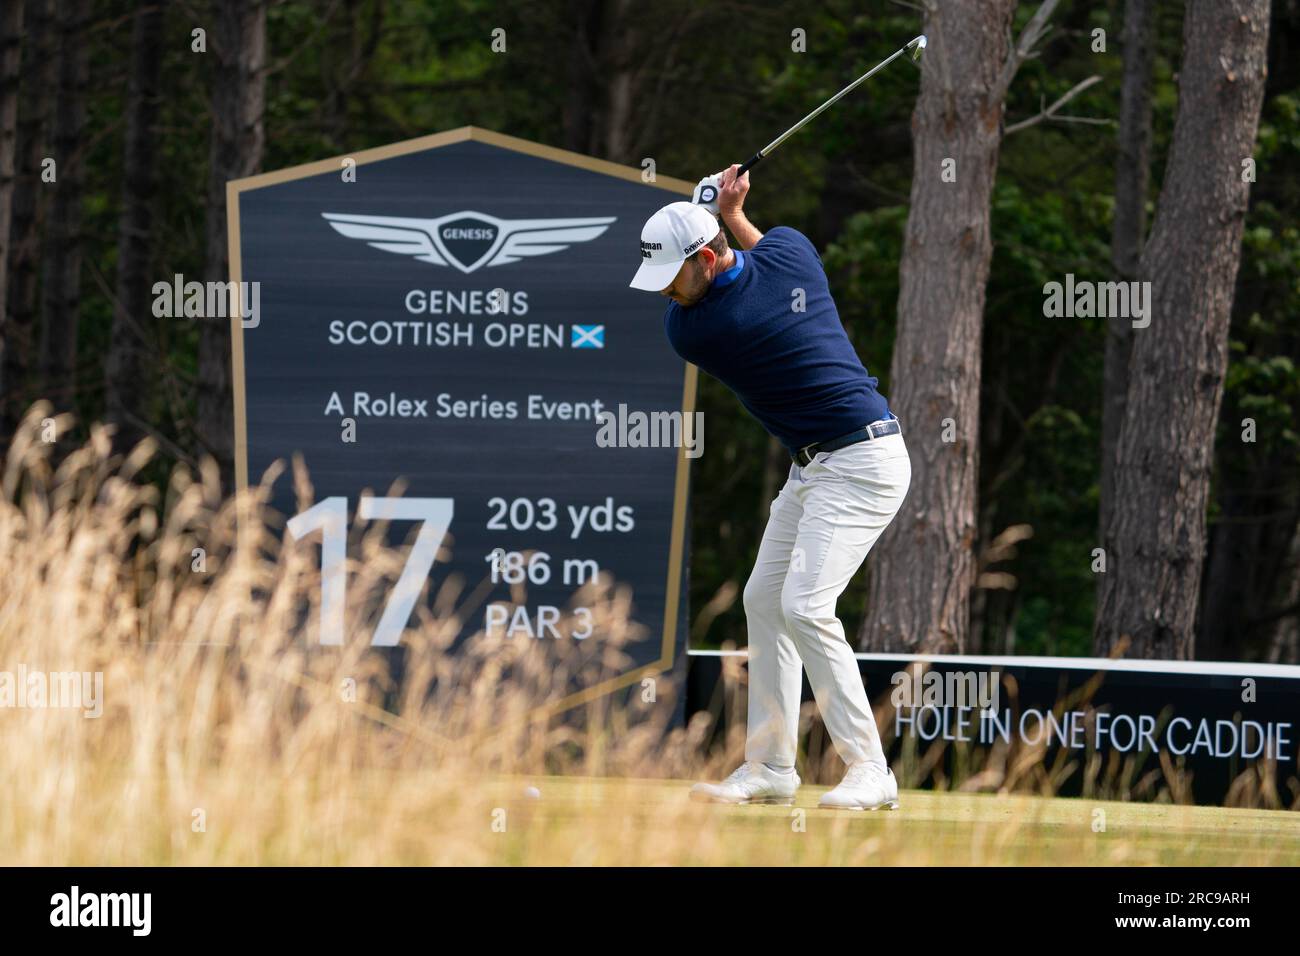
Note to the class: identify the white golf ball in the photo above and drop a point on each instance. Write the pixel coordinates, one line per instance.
(532, 793)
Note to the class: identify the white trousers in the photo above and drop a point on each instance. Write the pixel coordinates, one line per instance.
(822, 524)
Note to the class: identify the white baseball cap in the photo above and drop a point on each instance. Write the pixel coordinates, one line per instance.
(670, 235)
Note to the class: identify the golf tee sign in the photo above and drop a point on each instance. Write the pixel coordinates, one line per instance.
(451, 315)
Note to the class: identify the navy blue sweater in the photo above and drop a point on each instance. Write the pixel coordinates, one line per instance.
(796, 372)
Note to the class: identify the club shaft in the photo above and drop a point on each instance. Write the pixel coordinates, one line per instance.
(803, 122)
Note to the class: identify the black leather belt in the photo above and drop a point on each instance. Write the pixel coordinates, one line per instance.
(887, 426)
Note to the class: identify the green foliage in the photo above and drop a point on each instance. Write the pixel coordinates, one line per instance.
(723, 82)
(1263, 378)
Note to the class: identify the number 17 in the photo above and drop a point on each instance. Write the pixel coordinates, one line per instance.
(330, 516)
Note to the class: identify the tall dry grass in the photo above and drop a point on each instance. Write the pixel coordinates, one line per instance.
(229, 737)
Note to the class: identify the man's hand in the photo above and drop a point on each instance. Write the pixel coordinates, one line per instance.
(706, 192)
(731, 203)
(731, 196)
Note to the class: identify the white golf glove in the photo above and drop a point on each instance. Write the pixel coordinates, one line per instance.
(706, 193)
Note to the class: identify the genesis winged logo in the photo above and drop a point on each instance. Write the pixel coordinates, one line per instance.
(468, 240)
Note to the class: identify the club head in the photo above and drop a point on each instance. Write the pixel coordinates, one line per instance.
(916, 46)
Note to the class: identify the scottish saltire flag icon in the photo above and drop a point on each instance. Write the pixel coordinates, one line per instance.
(588, 337)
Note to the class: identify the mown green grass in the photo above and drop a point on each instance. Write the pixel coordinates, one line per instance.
(632, 822)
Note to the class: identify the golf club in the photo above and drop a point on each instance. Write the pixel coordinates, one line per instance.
(706, 193)
(916, 45)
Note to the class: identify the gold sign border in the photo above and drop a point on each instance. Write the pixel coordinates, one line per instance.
(463, 134)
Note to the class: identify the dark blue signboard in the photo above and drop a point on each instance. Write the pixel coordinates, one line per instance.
(453, 313)
(1185, 731)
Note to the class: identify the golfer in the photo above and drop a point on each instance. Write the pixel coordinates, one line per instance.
(760, 319)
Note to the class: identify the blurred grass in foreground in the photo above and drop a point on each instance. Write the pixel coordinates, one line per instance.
(229, 737)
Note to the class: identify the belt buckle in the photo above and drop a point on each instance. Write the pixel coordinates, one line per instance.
(803, 452)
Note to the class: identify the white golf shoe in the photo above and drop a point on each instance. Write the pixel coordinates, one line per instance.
(750, 783)
(864, 787)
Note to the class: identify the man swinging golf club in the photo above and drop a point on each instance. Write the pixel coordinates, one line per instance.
(760, 318)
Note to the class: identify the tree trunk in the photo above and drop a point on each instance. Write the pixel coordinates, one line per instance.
(126, 383)
(61, 262)
(20, 303)
(602, 96)
(1284, 647)
(11, 33)
(1132, 174)
(580, 98)
(1155, 538)
(345, 61)
(1247, 570)
(238, 99)
(920, 585)
(619, 75)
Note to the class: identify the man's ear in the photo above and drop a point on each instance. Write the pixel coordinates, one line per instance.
(708, 258)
